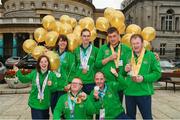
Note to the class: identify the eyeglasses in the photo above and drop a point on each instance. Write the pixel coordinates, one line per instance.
(75, 83)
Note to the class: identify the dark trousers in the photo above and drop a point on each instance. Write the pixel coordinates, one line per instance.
(120, 93)
(87, 88)
(122, 116)
(54, 99)
(39, 114)
(143, 103)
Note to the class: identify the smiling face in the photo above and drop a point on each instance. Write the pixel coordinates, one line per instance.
(137, 44)
(99, 80)
(76, 85)
(62, 44)
(43, 64)
(113, 38)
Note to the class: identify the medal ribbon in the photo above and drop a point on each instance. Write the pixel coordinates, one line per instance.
(136, 66)
(84, 57)
(119, 54)
(71, 105)
(41, 90)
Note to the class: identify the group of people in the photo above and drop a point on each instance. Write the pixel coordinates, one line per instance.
(90, 82)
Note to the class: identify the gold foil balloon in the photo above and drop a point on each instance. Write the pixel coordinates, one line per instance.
(126, 39)
(102, 24)
(29, 45)
(108, 12)
(54, 59)
(65, 19)
(73, 22)
(57, 27)
(77, 30)
(133, 28)
(51, 38)
(117, 18)
(72, 41)
(48, 22)
(121, 28)
(93, 35)
(148, 33)
(147, 45)
(87, 22)
(38, 51)
(40, 34)
(66, 29)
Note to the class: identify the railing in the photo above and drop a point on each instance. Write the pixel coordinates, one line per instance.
(20, 21)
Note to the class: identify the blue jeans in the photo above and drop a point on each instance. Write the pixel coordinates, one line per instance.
(54, 99)
(143, 103)
(39, 114)
(87, 88)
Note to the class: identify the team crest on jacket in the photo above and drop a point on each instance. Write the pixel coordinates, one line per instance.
(107, 52)
(66, 104)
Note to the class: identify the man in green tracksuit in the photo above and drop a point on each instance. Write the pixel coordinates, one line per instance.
(143, 69)
(85, 56)
(105, 98)
(75, 104)
(44, 82)
(112, 57)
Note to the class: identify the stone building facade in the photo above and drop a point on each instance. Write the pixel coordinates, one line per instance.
(164, 16)
(19, 19)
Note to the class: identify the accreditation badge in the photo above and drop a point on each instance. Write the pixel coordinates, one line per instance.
(120, 63)
(102, 114)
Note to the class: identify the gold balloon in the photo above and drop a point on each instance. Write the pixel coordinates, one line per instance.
(38, 51)
(48, 22)
(87, 22)
(29, 45)
(57, 27)
(54, 60)
(133, 28)
(51, 38)
(102, 24)
(66, 29)
(126, 39)
(65, 19)
(77, 30)
(40, 34)
(117, 18)
(72, 41)
(73, 22)
(108, 13)
(147, 45)
(121, 28)
(149, 33)
(93, 35)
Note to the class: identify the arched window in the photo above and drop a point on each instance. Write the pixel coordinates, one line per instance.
(13, 6)
(22, 5)
(55, 6)
(167, 20)
(66, 7)
(43, 4)
(83, 11)
(75, 9)
(32, 4)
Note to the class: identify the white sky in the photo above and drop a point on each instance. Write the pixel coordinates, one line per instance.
(105, 3)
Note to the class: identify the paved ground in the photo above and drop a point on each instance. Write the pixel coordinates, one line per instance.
(166, 104)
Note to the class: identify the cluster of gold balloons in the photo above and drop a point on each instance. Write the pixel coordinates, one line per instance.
(69, 26)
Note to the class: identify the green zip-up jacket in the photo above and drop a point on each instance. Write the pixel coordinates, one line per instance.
(66, 69)
(151, 72)
(81, 110)
(110, 101)
(104, 52)
(89, 76)
(34, 102)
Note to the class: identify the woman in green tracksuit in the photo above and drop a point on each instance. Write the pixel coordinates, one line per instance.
(75, 104)
(143, 69)
(85, 57)
(43, 83)
(65, 72)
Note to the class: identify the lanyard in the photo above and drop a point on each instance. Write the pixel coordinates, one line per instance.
(41, 90)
